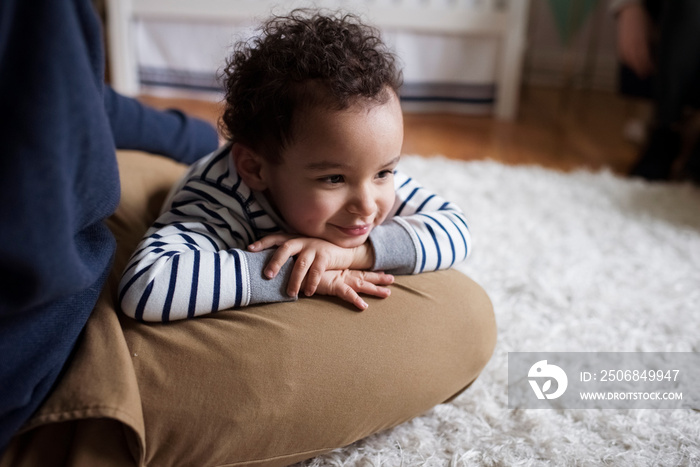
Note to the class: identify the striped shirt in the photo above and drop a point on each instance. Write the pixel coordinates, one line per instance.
(194, 259)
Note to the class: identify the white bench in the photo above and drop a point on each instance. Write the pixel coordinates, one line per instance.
(505, 20)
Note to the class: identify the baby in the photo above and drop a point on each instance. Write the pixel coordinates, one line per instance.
(306, 196)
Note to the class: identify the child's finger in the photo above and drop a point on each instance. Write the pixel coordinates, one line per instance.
(301, 267)
(314, 276)
(377, 291)
(345, 292)
(285, 251)
(378, 278)
(269, 241)
(369, 288)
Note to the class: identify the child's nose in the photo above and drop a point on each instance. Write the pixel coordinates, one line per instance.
(363, 203)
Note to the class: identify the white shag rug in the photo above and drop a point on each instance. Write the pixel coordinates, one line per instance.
(576, 261)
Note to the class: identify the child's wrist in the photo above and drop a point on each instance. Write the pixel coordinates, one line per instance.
(363, 257)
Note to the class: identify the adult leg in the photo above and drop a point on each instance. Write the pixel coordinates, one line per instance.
(268, 385)
(692, 167)
(276, 384)
(678, 73)
(679, 60)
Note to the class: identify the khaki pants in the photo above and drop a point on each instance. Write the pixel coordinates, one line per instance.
(264, 385)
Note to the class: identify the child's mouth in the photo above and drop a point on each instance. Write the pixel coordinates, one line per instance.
(355, 230)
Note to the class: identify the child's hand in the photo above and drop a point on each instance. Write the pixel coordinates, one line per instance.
(347, 284)
(314, 257)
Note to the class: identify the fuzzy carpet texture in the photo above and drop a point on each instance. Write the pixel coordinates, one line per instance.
(573, 262)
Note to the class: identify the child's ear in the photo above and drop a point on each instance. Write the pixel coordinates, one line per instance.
(249, 166)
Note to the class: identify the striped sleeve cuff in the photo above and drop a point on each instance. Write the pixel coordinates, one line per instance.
(393, 249)
(262, 289)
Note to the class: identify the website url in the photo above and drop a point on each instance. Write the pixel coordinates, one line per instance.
(631, 396)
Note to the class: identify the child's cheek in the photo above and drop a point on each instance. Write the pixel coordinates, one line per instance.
(316, 212)
(387, 203)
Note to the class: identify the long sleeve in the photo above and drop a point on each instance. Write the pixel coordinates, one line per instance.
(167, 132)
(58, 181)
(193, 260)
(424, 232)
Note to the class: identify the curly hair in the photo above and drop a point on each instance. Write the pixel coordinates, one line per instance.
(302, 61)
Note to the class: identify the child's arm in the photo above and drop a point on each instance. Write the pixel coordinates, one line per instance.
(313, 258)
(424, 232)
(188, 265)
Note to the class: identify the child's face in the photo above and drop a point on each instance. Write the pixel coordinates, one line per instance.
(336, 180)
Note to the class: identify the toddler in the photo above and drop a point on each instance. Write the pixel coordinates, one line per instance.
(306, 197)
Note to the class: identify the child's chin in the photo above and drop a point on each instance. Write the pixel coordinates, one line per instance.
(350, 242)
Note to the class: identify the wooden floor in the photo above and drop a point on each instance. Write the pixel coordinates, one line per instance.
(580, 129)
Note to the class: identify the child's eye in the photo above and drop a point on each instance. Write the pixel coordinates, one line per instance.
(333, 179)
(384, 173)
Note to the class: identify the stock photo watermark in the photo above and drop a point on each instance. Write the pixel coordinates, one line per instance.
(604, 380)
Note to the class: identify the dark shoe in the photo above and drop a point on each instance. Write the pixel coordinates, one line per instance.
(660, 153)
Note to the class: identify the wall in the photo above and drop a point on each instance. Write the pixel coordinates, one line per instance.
(588, 61)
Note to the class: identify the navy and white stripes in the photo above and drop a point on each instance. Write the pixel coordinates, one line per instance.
(437, 227)
(193, 260)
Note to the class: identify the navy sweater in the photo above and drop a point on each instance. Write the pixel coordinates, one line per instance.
(59, 127)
